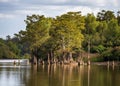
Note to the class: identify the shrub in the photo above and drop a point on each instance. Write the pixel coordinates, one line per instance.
(98, 49)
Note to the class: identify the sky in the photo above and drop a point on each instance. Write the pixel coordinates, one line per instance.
(14, 12)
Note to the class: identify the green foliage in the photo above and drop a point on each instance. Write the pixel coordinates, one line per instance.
(13, 47)
(66, 32)
(26, 56)
(91, 24)
(98, 49)
(69, 32)
(5, 52)
(116, 53)
(9, 48)
(37, 30)
(105, 15)
(97, 59)
(113, 33)
(36, 33)
(111, 54)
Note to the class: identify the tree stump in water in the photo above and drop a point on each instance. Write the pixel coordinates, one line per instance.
(34, 60)
(14, 63)
(113, 63)
(18, 62)
(88, 63)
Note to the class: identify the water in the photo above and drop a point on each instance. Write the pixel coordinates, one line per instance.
(57, 75)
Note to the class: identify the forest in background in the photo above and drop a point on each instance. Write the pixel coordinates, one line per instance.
(69, 35)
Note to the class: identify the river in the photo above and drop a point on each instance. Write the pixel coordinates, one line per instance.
(59, 75)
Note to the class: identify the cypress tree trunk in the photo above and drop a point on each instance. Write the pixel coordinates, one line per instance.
(34, 60)
(70, 56)
(88, 52)
(48, 59)
(63, 56)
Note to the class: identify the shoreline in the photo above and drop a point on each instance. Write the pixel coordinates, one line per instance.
(115, 63)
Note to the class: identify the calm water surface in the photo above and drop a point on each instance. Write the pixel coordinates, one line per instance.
(57, 75)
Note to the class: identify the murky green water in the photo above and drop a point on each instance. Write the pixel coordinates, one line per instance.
(57, 75)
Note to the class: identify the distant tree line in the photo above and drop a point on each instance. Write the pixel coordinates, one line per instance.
(12, 48)
(66, 36)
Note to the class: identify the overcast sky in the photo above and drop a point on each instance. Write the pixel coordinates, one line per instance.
(13, 12)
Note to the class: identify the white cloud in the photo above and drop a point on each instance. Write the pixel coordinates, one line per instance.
(4, 0)
(115, 3)
(6, 15)
(29, 12)
(53, 11)
(100, 2)
(59, 1)
(50, 11)
(8, 0)
(84, 9)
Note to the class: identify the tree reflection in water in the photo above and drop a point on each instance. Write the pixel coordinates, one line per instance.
(60, 75)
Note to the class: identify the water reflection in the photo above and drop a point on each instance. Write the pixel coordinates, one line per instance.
(67, 76)
(60, 75)
(88, 75)
(9, 76)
